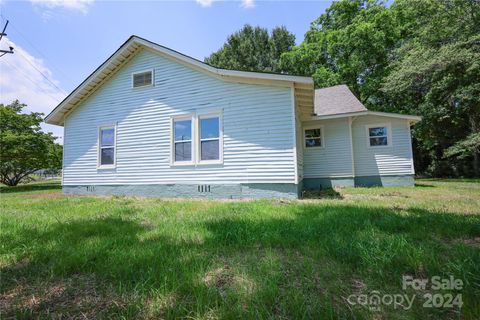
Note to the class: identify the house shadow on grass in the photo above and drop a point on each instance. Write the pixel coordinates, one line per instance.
(322, 193)
(242, 266)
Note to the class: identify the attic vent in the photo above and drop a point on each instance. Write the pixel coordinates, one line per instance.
(142, 79)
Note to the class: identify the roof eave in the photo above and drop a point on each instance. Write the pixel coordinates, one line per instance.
(56, 117)
(411, 118)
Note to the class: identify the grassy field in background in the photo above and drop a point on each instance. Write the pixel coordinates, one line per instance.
(122, 257)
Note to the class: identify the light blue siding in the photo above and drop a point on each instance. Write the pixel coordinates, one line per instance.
(328, 166)
(392, 160)
(334, 159)
(257, 120)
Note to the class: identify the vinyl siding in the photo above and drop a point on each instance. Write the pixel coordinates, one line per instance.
(334, 159)
(257, 126)
(392, 160)
(299, 142)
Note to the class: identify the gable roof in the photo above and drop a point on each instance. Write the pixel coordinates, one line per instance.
(336, 100)
(302, 85)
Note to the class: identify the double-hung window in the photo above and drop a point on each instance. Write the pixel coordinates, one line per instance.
(182, 138)
(378, 135)
(107, 146)
(209, 138)
(197, 139)
(314, 137)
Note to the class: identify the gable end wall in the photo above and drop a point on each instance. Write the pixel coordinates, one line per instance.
(257, 120)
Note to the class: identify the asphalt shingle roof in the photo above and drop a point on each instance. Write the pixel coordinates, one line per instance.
(336, 100)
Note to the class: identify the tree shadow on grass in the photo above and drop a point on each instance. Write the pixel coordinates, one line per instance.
(423, 185)
(452, 180)
(242, 260)
(31, 187)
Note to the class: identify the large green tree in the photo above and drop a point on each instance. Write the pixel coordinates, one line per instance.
(435, 72)
(415, 56)
(348, 44)
(253, 49)
(24, 148)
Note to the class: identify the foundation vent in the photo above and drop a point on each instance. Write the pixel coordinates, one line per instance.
(203, 188)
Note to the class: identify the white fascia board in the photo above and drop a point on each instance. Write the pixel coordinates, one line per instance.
(368, 113)
(224, 72)
(180, 57)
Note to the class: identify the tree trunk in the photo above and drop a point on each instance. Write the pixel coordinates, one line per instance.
(476, 164)
(476, 155)
(10, 182)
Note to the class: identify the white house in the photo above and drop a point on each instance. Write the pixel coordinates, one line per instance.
(152, 121)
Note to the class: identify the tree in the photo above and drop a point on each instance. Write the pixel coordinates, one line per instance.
(435, 71)
(24, 148)
(415, 56)
(348, 44)
(465, 148)
(253, 49)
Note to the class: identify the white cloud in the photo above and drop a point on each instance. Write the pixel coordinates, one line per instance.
(204, 3)
(247, 4)
(20, 80)
(78, 5)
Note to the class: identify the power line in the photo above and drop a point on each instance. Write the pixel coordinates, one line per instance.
(39, 71)
(32, 81)
(38, 51)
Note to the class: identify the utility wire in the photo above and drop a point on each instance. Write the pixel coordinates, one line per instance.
(32, 81)
(38, 51)
(39, 71)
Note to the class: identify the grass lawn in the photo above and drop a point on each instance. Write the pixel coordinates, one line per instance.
(121, 257)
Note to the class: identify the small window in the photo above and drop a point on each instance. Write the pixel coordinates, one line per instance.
(107, 146)
(142, 79)
(313, 138)
(378, 136)
(210, 138)
(183, 140)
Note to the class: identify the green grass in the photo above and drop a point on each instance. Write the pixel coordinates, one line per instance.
(122, 257)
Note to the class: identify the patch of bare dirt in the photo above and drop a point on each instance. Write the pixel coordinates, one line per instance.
(45, 195)
(224, 278)
(220, 278)
(358, 286)
(474, 242)
(77, 297)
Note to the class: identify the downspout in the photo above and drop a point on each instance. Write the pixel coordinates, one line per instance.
(350, 121)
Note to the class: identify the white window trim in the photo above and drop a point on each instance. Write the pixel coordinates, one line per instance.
(190, 117)
(99, 147)
(322, 136)
(196, 146)
(377, 125)
(143, 71)
(207, 115)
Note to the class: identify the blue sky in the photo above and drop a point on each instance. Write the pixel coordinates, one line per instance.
(67, 39)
